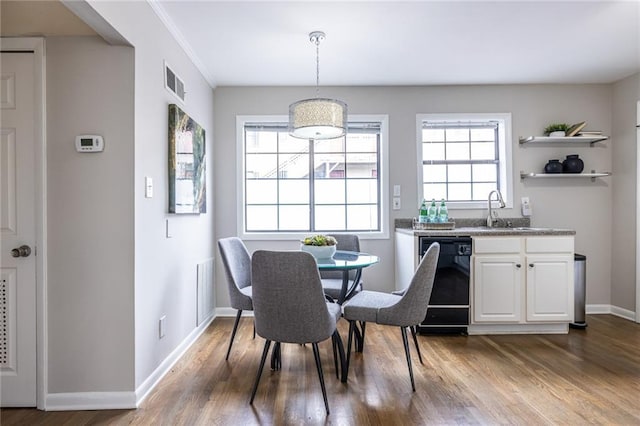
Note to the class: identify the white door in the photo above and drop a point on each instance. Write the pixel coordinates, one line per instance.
(18, 229)
(550, 289)
(497, 283)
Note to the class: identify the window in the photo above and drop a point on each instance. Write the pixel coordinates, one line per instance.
(295, 186)
(463, 157)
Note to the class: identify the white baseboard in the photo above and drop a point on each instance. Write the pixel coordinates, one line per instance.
(230, 312)
(77, 401)
(90, 401)
(152, 381)
(611, 309)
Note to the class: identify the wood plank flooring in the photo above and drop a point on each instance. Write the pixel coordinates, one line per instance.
(585, 377)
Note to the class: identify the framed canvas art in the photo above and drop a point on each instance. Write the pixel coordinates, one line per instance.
(187, 171)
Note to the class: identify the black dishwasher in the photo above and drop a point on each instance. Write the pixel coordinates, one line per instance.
(448, 310)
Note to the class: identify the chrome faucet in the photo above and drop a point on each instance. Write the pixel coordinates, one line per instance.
(493, 216)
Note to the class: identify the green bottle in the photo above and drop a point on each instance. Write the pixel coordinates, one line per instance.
(423, 215)
(443, 213)
(433, 211)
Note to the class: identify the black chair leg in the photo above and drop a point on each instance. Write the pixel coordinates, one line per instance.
(233, 333)
(254, 329)
(340, 347)
(352, 326)
(276, 357)
(335, 354)
(405, 341)
(265, 351)
(363, 327)
(316, 355)
(415, 340)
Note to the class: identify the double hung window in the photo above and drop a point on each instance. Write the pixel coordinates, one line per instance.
(462, 158)
(301, 186)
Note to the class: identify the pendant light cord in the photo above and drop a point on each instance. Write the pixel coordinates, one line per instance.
(317, 40)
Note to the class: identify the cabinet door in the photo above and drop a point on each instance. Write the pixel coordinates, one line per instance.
(550, 288)
(497, 283)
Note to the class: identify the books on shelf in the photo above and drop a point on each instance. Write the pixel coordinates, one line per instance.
(573, 130)
(589, 133)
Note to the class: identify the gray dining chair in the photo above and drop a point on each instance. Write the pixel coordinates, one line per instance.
(404, 311)
(237, 268)
(290, 307)
(332, 280)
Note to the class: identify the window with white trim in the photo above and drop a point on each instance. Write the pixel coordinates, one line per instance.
(463, 157)
(293, 186)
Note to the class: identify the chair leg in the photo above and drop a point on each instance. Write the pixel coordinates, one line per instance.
(316, 355)
(363, 327)
(352, 326)
(233, 333)
(335, 354)
(405, 341)
(265, 351)
(415, 340)
(340, 347)
(254, 329)
(276, 357)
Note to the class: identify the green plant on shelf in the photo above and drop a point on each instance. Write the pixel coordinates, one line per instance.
(555, 127)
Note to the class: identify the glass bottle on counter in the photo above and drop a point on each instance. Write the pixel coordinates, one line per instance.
(423, 214)
(433, 211)
(443, 213)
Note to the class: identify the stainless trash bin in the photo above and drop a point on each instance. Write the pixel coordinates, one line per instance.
(580, 287)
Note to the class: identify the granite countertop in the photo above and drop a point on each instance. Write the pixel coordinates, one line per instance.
(476, 227)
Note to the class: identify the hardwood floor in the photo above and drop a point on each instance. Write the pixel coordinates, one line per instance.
(585, 377)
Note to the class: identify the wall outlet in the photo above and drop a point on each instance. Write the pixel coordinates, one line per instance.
(396, 203)
(168, 230)
(525, 207)
(148, 187)
(396, 190)
(162, 326)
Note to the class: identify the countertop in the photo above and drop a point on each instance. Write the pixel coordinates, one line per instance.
(474, 228)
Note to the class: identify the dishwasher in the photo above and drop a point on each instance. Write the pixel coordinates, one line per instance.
(448, 309)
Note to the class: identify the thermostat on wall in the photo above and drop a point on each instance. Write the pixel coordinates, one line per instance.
(89, 143)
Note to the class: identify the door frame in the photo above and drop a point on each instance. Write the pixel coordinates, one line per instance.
(638, 214)
(37, 46)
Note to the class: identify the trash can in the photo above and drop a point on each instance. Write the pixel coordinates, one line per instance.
(580, 286)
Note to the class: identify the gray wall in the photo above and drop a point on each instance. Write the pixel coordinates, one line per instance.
(165, 268)
(578, 204)
(626, 94)
(90, 216)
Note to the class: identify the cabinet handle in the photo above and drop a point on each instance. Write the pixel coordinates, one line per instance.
(531, 265)
(518, 265)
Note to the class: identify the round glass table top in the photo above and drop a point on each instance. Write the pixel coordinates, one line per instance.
(344, 260)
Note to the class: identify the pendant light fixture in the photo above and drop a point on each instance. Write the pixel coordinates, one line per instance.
(317, 118)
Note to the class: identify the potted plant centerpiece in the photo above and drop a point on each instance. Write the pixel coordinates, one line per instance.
(320, 246)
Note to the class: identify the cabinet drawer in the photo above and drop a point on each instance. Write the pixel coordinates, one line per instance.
(549, 244)
(497, 245)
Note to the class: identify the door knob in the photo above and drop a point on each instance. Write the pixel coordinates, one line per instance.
(22, 251)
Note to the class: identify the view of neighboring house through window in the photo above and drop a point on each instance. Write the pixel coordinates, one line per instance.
(297, 185)
(463, 158)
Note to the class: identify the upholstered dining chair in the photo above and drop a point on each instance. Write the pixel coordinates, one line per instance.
(332, 280)
(289, 306)
(403, 311)
(237, 268)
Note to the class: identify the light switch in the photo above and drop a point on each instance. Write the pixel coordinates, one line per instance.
(148, 187)
(525, 207)
(396, 190)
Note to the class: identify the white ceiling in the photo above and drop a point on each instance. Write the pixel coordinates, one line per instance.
(242, 43)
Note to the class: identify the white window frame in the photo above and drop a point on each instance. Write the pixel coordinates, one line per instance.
(383, 175)
(505, 160)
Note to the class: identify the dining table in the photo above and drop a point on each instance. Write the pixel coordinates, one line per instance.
(346, 261)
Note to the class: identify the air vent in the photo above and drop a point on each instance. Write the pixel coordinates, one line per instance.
(173, 83)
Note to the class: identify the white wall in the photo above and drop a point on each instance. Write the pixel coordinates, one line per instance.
(626, 94)
(90, 217)
(577, 204)
(165, 268)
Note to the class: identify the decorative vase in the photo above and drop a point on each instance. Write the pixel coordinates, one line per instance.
(553, 166)
(319, 252)
(572, 164)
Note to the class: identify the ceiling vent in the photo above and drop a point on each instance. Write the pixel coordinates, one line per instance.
(173, 83)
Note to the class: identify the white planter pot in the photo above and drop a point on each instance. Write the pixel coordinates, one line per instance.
(319, 252)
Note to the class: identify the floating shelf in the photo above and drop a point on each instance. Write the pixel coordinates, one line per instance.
(565, 139)
(593, 175)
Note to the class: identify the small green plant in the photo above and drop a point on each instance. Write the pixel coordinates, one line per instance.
(320, 240)
(555, 127)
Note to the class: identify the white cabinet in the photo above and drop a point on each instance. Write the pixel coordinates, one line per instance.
(523, 280)
(497, 288)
